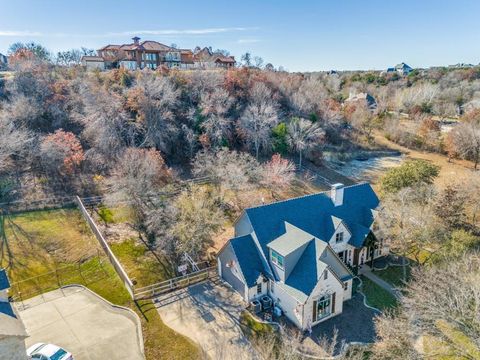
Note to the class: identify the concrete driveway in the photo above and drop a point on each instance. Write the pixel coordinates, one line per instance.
(84, 324)
(209, 314)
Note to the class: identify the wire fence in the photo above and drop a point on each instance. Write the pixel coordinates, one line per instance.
(103, 243)
(84, 273)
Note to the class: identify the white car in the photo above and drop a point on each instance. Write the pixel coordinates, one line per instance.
(43, 351)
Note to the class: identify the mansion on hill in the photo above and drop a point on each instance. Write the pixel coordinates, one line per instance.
(151, 54)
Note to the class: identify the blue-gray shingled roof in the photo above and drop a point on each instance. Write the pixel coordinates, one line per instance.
(4, 283)
(304, 276)
(6, 308)
(248, 257)
(312, 213)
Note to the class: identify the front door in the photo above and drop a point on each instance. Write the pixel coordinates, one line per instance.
(341, 255)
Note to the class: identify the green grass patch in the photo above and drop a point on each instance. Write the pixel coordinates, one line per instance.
(40, 242)
(252, 328)
(394, 275)
(141, 264)
(161, 342)
(105, 214)
(377, 296)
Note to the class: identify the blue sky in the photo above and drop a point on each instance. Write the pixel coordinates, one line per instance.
(297, 34)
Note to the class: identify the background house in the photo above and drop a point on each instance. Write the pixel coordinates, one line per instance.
(93, 62)
(299, 251)
(12, 330)
(403, 69)
(364, 98)
(152, 54)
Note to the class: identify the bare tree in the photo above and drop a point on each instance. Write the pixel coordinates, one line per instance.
(278, 173)
(439, 314)
(139, 177)
(229, 170)
(408, 222)
(215, 107)
(13, 141)
(466, 138)
(304, 135)
(155, 98)
(198, 218)
(260, 116)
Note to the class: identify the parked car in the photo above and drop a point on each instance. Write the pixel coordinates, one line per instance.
(43, 351)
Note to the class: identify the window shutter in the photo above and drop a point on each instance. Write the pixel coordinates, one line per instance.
(333, 303)
(314, 314)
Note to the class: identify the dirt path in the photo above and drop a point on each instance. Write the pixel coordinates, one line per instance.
(451, 172)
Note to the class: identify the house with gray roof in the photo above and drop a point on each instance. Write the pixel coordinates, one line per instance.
(301, 252)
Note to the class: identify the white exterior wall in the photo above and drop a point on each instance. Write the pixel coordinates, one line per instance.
(252, 292)
(91, 65)
(347, 293)
(287, 303)
(331, 285)
(346, 238)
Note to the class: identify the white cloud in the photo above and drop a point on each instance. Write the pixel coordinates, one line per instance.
(16, 33)
(181, 31)
(248, 41)
(164, 32)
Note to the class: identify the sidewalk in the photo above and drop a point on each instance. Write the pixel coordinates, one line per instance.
(367, 272)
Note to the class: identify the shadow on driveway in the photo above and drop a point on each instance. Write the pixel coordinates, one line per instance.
(354, 324)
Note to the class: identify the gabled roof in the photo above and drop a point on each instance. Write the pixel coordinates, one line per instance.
(304, 276)
(336, 221)
(248, 258)
(110, 47)
(402, 66)
(312, 214)
(4, 283)
(91, 58)
(292, 239)
(155, 46)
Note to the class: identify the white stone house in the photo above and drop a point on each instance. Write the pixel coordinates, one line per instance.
(300, 252)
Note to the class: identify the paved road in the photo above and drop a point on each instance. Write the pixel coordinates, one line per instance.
(84, 324)
(208, 314)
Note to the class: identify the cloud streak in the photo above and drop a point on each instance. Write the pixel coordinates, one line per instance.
(248, 41)
(163, 32)
(21, 33)
(182, 31)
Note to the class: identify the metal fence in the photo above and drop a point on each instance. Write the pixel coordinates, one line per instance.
(151, 291)
(111, 256)
(77, 273)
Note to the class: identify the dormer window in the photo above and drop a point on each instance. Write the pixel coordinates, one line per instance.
(339, 237)
(276, 259)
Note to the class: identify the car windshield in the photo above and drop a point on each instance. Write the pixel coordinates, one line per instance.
(59, 355)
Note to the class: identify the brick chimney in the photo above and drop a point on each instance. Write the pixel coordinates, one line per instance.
(336, 194)
(136, 40)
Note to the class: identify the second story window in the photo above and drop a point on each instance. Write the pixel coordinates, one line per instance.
(339, 237)
(277, 259)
